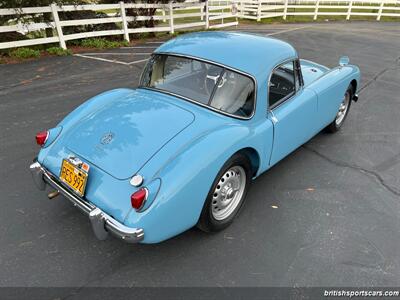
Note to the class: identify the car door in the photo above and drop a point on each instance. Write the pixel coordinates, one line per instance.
(292, 109)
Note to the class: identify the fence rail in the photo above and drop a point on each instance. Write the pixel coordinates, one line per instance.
(260, 9)
(173, 13)
(177, 16)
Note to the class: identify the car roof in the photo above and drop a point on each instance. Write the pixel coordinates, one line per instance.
(250, 53)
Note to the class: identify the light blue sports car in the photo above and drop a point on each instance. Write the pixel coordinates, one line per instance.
(213, 111)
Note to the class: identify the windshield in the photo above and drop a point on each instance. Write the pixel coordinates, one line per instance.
(202, 82)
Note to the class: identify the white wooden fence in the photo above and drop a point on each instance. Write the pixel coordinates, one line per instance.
(175, 14)
(259, 9)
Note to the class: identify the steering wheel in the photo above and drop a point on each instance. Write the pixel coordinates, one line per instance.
(211, 79)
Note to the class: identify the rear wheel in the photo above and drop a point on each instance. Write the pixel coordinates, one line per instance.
(344, 109)
(226, 195)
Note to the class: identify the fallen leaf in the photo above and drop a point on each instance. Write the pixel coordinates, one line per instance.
(25, 244)
(228, 237)
(20, 211)
(26, 81)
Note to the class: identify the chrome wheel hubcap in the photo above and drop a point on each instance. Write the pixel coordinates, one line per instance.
(228, 193)
(343, 109)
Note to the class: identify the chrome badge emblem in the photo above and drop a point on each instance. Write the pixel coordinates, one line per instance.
(107, 138)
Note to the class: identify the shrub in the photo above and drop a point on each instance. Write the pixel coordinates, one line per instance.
(93, 43)
(58, 51)
(102, 43)
(24, 53)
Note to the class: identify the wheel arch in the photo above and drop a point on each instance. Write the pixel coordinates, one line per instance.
(253, 157)
(354, 85)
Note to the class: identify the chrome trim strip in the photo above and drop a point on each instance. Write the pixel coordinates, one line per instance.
(47, 137)
(102, 223)
(37, 176)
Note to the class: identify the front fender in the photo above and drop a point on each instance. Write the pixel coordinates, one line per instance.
(330, 90)
(187, 178)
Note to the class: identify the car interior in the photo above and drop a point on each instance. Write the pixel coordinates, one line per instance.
(282, 83)
(208, 84)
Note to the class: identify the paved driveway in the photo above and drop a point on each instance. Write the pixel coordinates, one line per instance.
(338, 197)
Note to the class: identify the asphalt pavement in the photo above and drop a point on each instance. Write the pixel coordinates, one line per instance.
(327, 215)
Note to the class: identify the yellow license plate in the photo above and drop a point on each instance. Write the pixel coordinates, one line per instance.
(74, 177)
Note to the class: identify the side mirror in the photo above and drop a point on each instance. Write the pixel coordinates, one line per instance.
(344, 60)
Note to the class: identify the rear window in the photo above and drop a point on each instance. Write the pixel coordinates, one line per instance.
(207, 84)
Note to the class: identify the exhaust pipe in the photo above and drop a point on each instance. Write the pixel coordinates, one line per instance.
(53, 194)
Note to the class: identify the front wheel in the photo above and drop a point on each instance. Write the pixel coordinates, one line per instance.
(344, 109)
(226, 195)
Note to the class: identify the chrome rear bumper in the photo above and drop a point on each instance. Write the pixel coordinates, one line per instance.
(102, 223)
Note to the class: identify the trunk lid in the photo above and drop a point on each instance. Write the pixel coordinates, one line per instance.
(121, 137)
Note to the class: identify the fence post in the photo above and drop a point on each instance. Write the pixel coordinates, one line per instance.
(207, 15)
(163, 13)
(259, 11)
(316, 10)
(58, 25)
(124, 21)
(349, 10)
(171, 18)
(378, 18)
(285, 10)
(242, 8)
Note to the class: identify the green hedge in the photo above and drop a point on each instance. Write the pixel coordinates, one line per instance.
(58, 51)
(24, 53)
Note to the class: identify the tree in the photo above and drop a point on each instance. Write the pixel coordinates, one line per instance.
(37, 18)
(47, 17)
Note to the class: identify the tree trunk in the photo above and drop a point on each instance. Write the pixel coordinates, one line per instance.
(47, 18)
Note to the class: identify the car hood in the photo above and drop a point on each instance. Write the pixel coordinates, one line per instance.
(311, 71)
(122, 136)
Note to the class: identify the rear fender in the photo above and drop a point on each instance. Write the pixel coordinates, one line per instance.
(186, 180)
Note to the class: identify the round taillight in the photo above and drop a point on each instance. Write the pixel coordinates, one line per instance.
(41, 137)
(138, 198)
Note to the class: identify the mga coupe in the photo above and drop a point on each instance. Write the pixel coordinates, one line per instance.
(213, 111)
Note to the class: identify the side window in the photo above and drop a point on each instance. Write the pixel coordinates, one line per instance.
(283, 83)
